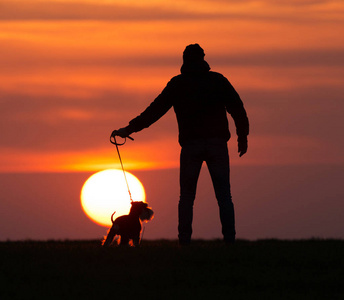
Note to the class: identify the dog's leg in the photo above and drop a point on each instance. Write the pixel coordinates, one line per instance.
(136, 241)
(111, 234)
(124, 240)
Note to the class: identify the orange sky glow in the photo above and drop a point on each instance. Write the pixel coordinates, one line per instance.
(71, 72)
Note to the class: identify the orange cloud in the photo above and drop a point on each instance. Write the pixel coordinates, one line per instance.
(170, 10)
(71, 72)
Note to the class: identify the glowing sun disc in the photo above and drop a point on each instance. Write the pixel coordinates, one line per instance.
(106, 191)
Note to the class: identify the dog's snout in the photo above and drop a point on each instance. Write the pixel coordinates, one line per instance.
(147, 214)
(151, 213)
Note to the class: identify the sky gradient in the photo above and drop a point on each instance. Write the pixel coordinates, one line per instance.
(73, 71)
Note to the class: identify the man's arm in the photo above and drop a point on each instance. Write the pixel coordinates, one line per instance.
(150, 115)
(235, 108)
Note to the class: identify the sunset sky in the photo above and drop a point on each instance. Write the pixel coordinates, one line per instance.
(73, 71)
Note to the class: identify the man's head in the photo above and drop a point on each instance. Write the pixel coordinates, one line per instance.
(193, 53)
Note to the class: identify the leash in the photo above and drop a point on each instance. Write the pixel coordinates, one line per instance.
(113, 141)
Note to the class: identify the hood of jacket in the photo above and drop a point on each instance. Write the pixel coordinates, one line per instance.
(194, 67)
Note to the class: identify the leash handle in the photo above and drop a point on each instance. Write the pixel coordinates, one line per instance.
(113, 140)
(120, 159)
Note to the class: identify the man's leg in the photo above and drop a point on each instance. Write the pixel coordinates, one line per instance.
(190, 166)
(218, 165)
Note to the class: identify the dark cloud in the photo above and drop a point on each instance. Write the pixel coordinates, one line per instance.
(73, 11)
(40, 123)
(271, 2)
(51, 122)
(39, 10)
(27, 57)
(21, 54)
(313, 111)
(284, 58)
(297, 2)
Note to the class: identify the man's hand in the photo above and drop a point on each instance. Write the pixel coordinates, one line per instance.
(122, 132)
(242, 145)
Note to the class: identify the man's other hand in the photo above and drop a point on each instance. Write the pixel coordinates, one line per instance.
(242, 145)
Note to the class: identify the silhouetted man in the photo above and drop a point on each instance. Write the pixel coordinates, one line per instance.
(201, 99)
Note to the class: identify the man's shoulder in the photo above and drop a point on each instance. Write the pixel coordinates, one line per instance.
(176, 78)
(216, 75)
(209, 73)
(176, 81)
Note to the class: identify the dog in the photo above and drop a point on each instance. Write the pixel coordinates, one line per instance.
(129, 227)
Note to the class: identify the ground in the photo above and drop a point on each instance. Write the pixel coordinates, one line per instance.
(266, 269)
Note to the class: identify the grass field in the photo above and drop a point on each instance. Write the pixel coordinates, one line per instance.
(266, 269)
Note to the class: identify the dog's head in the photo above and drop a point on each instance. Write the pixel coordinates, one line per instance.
(142, 210)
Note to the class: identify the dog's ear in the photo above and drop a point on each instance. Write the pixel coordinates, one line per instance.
(139, 203)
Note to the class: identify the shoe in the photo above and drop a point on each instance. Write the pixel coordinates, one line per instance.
(184, 243)
(229, 241)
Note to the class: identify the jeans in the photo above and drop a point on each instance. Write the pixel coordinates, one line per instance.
(215, 153)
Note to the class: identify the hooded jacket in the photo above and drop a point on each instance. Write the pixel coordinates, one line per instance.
(201, 100)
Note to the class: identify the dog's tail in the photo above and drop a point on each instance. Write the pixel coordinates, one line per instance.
(112, 220)
(109, 238)
(111, 233)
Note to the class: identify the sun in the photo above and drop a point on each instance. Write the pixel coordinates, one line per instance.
(106, 191)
